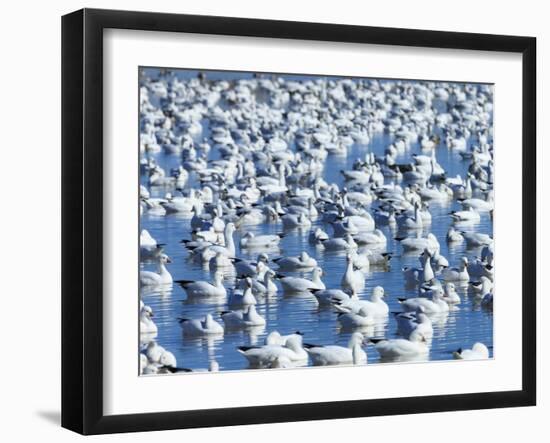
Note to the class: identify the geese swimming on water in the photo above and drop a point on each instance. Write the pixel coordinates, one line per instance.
(250, 157)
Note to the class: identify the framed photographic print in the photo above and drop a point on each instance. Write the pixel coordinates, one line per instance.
(270, 221)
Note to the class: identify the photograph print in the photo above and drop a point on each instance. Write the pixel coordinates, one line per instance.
(293, 221)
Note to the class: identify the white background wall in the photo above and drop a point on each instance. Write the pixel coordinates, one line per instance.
(30, 216)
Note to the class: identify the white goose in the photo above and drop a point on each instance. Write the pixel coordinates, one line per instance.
(376, 305)
(291, 221)
(265, 287)
(371, 239)
(430, 307)
(149, 249)
(467, 216)
(146, 324)
(402, 348)
(339, 355)
(203, 288)
(352, 320)
(477, 239)
(249, 240)
(414, 322)
(297, 284)
(241, 319)
(276, 339)
(326, 297)
(478, 352)
(459, 274)
(411, 244)
(199, 328)
(244, 298)
(228, 250)
(347, 243)
(264, 356)
(453, 236)
(353, 280)
(317, 236)
(246, 268)
(303, 261)
(161, 277)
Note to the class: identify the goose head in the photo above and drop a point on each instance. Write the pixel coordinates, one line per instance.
(163, 258)
(229, 229)
(294, 343)
(450, 288)
(378, 293)
(263, 258)
(318, 272)
(437, 294)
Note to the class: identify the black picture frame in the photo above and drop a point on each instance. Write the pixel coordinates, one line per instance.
(82, 218)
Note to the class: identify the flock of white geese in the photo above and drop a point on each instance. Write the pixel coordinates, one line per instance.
(262, 161)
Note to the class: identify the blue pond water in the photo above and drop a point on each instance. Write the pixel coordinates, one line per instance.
(461, 328)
